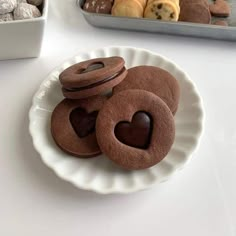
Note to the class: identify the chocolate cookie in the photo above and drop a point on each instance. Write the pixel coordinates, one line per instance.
(98, 6)
(155, 80)
(135, 129)
(204, 2)
(92, 77)
(73, 126)
(220, 8)
(195, 13)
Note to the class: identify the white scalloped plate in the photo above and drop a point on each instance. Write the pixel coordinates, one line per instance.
(100, 174)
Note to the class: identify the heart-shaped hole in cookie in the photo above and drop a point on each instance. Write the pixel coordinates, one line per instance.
(82, 122)
(136, 133)
(92, 67)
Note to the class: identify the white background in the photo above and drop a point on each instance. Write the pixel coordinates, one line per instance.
(199, 200)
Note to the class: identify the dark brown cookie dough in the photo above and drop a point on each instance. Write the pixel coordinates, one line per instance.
(155, 80)
(92, 77)
(135, 129)
(98, 6)
(73, 126)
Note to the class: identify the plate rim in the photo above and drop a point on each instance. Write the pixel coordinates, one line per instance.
(120, 190)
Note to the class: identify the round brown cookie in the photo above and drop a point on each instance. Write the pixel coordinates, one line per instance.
(73, 126)
(195, 13)
(98, 6)
(220, 8)
(155, 80)
(92, 77)
(135, 129)
(204, 2)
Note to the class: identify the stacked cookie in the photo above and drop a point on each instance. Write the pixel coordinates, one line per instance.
(19, 9)
(125, 114)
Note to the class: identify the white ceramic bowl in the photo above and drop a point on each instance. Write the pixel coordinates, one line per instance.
(100, 174)
(22, 38)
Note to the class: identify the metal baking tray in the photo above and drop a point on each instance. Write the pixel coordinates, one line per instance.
(165, 27)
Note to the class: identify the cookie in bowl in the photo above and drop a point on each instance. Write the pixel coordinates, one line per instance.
(153, 79)
(22, 29)
(102, 174)
(92, 77)
(73, 126)
(135, 129)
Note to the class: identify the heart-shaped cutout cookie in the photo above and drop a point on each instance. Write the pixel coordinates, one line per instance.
(136, 133)
(92, 67)
(82, 122)
(220, 8)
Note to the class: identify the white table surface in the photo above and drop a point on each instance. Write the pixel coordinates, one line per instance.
(199, 200)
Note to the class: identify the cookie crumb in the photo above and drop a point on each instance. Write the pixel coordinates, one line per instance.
(26, 11)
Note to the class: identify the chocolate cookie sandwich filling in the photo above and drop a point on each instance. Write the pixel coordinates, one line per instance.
(95, 84)
(92, 77)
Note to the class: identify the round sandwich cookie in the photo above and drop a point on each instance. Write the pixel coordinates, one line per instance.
(135, 129)
(92, 77)
(155, 80)
(73, 126)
